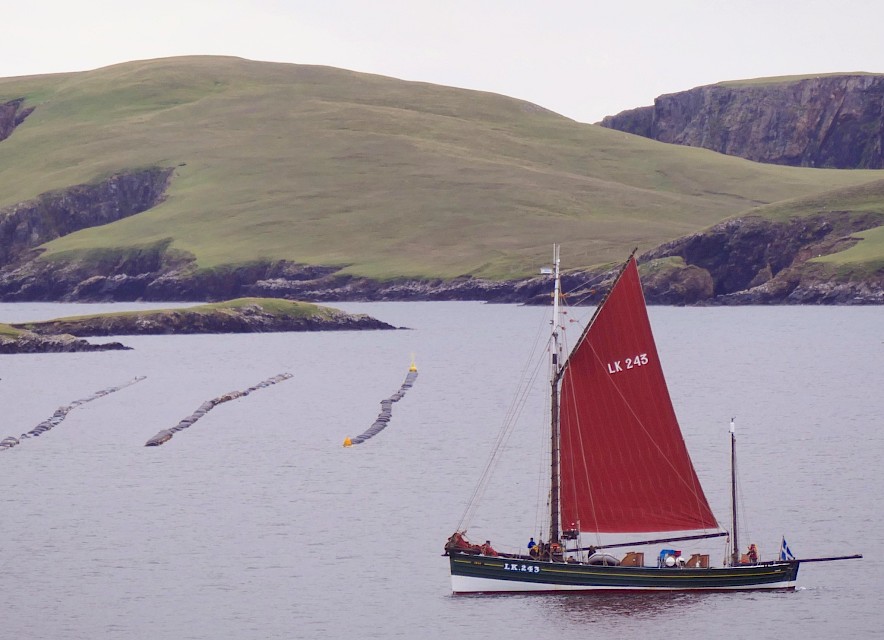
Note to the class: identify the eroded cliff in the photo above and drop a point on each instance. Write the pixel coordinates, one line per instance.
(834, 121)
(58, 213)
(752, 260)
(12, 114)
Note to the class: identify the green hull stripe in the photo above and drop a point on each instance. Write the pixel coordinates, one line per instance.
(620, 577)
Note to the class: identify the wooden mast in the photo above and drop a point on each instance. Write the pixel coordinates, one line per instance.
(735, 555)
(558, 362)
(554, 499)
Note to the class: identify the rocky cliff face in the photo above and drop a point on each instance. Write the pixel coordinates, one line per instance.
(827, 121)
(12, 114)
(757, 261)
(154, 273)
(55, 214)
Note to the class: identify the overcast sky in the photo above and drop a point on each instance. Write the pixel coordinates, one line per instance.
(584, 59)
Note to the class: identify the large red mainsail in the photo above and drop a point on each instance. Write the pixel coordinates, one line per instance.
(624, 465)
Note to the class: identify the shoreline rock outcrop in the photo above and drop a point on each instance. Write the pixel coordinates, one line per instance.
(746, 260)
(753, 260)
(31, 342)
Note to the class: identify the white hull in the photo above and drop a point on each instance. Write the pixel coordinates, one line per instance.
(469, 584)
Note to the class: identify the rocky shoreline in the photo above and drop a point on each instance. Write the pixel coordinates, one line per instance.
(245, 315)
(252, 315)
(747, 260)
(30, 342)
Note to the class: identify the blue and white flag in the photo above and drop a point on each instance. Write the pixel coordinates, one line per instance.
(785, 551)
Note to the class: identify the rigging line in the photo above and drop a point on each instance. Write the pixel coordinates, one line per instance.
(582, 451)
(507, 425)
(641, 424)
(564, 348)
(514, 420)
(485, 480)
(598, 309)
(744, 521)
(542, 507)
(503, 437)
(594, 281)
(573, 479)
(574, 412)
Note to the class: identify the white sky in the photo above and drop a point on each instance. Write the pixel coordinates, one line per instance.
(584, 59)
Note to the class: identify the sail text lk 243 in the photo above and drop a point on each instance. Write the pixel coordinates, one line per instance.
(610, 389)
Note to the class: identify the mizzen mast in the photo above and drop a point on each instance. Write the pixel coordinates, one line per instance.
(735, 554)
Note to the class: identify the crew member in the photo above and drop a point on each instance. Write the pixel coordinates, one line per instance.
(753, 553)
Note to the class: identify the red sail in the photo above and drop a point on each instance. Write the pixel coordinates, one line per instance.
(624, 465)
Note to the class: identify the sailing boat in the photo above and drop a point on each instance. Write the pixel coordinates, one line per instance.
(619, 465)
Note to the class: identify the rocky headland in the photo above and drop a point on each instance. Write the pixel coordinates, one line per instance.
(753, 260)
(834, 121)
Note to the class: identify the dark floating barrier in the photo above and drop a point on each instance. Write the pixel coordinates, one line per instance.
(386, 413)
(60, 414)
(166, 434)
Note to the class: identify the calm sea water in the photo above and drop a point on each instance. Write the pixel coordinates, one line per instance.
(257, 523)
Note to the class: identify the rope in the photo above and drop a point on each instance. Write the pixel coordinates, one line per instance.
(510, 419)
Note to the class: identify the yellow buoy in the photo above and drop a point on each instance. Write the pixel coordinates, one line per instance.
(348, 442)
(413, 366)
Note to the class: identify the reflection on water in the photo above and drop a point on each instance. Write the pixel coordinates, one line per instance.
(583, 608)
(591, 607)
(259, 524)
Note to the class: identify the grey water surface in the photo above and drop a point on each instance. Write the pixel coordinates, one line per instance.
(257, 523)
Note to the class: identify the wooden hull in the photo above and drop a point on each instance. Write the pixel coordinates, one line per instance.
(485, 574)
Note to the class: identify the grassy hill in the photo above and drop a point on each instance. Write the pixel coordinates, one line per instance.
(388, 178)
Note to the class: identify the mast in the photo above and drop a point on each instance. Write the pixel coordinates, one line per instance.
(735, 555)
(554, 502)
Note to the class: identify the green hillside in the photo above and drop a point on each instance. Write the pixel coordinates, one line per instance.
(389, 178)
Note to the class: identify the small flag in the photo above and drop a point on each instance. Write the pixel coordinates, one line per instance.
(785, 551)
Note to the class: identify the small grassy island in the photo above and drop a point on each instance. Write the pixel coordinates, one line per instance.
(15, 340)
(243, 315)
